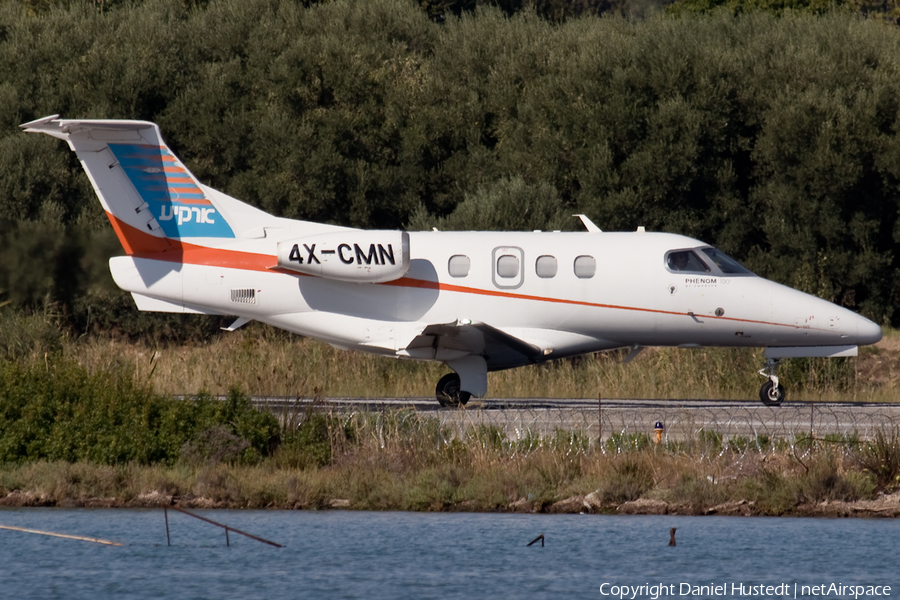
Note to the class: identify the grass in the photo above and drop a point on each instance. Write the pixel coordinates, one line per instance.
(265, 362)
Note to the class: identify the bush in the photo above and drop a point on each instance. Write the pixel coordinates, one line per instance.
(309, 445)
(631, 478)
(881, 457)
(698, 492)
(772, 491)
(213, 446)
(56, 410)
(826, 481)
(24, 334)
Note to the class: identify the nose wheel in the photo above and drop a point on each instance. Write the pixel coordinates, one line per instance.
(771, 393)
(448, 391)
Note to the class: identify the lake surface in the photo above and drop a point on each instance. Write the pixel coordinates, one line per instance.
(345, 554)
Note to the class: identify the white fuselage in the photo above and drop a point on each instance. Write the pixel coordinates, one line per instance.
(631, 299)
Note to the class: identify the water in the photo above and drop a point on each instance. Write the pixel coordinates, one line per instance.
(376, 556)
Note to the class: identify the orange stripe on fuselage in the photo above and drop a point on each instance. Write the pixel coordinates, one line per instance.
(143, 245)
(445, 287)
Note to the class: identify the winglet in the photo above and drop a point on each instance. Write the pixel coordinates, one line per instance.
(588, 224)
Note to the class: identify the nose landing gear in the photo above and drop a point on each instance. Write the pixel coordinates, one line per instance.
(771, 393)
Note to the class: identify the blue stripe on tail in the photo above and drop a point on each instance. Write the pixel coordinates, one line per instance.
(170, 190)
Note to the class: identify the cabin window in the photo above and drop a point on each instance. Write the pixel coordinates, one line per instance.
(585, 267)
(459, 265)
(508, 266)
(545, 266)
(685, 261)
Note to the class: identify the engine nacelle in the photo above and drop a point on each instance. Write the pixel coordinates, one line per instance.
(356, 256)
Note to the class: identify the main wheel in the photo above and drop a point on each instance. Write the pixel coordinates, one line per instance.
(449, 393)
(770, 394)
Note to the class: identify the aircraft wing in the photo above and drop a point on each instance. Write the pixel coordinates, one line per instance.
(452, 341)
(471, 349)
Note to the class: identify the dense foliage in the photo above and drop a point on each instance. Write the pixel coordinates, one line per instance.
(774, 137)
(59, 411)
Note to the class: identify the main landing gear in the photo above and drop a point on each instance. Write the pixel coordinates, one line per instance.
(772, 392)
(448, 391)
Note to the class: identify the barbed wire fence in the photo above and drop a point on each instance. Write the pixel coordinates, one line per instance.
(787, 422)
(616, 422)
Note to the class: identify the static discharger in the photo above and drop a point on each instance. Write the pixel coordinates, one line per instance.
(535, 540)
(62, 535)
(227, 528)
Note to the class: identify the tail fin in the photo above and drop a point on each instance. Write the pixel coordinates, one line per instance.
(152, 200)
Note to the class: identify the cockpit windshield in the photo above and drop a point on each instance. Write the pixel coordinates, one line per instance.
(726, 264)
(704, 261)
(686, 261)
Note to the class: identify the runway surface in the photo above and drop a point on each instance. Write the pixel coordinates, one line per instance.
(520, 417)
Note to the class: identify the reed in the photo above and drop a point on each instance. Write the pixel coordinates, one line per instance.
(265, 362)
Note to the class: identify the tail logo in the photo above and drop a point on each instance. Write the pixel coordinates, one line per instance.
(171, 192)
(185, 214)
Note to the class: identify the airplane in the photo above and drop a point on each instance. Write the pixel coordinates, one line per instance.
(475, 301)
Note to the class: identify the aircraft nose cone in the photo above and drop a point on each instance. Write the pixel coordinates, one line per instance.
(867, 332)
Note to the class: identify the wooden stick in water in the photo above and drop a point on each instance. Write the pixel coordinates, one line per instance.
(62, 535)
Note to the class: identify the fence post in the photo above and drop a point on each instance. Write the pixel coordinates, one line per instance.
(600, 420)
(812, 408)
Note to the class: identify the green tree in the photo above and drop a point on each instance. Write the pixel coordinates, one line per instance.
(507, 205)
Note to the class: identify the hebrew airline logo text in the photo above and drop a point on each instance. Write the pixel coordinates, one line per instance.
(186, 214)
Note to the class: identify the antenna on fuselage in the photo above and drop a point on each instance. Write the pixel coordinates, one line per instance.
(588, 224)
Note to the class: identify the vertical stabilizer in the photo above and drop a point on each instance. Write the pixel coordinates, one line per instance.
(152, 200)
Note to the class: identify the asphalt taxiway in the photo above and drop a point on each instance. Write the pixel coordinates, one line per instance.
(681, 418)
